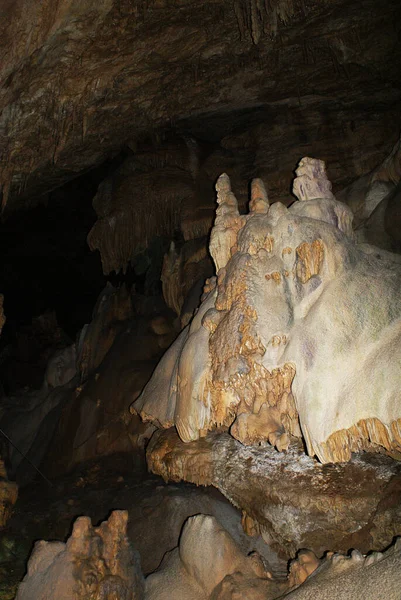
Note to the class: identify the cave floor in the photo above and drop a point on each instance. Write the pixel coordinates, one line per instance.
(47, 512)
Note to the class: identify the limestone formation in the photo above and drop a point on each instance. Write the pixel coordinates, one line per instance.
(94, 562)
(183, 274)
(375, 200)
(113, 308)
(61, 368)
(133, 208)
(95, 420)
(289, 498)
(198, 569)
(80, 103)
(300, 335)
(311, 181)
(347, 577)
(207, 565)
(30, 417)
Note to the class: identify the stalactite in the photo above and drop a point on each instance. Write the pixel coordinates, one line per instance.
(129, 219)
(255, 17)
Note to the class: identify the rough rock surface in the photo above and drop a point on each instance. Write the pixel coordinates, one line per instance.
(112, 309)
(270, 353)
(207, 565)
(95, 562)
(344, 577)
(157, 512)
(375, 200)
(183, 275)
(29, 419)
(78, 79)
(292, 499)
(95, 419)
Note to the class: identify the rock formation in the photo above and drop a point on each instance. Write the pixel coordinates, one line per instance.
(112, 309)
(29, 419)
(295, 301)
(132, 209)
(289, 498)
(95, 562)
(183, 275)
(117, 353)
(198, 569)
(375, 200)
(70, 101)
(346, 576)
(207, 565)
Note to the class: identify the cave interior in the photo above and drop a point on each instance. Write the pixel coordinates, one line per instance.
(200, 321)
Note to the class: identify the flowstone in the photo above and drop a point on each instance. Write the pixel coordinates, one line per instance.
(297, 335)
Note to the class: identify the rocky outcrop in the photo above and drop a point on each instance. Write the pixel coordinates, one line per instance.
(133, 208)
(30, 420)
(208, 565)
(96, 562)
(294, 501)
(260, 354)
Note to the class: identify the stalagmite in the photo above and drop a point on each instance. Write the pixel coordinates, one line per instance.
(300, 335)
(207, 565)
(94, 562)
(227, 224)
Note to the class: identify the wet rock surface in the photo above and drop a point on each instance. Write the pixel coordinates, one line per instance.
(295, 501)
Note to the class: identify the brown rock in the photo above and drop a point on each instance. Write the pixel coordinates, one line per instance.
(8, 495)
(72, 95)
(297, 502)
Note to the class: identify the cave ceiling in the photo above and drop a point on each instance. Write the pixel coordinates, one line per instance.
(80, 80)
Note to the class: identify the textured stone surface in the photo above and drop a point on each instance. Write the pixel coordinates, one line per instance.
(95, 562)
(112, 309)
(78, 80)
(208, 565)
(270, 353)
(344, 577)
(206, 556)
(295, 501)
(95, 419)
(375, 200)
